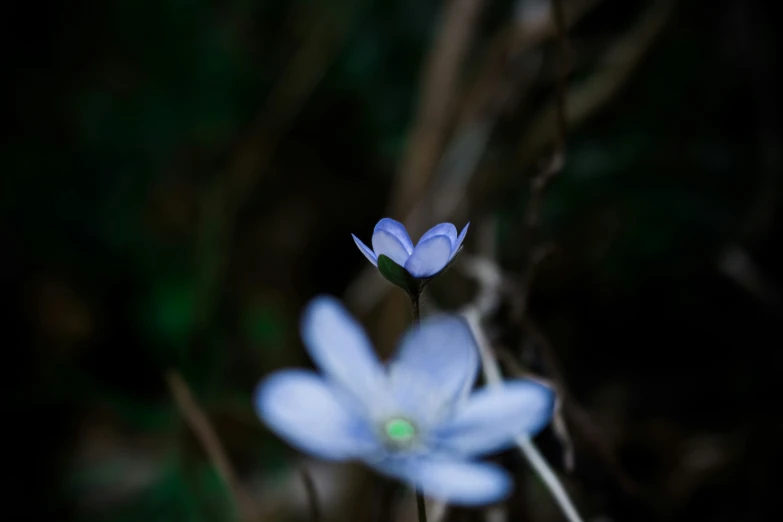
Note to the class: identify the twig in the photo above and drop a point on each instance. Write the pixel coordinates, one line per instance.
(205, 433)
(559, 425)
(632, 47)
(548, 476)
(619, 62)
(544, 27)
(437, 93)
(492, 375)
(540, 182)
(577, 416)
(491, 281)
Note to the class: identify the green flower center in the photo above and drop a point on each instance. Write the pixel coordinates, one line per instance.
(400, 430)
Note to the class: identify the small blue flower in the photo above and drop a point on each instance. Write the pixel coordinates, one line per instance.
(436, 248)
(414, 419)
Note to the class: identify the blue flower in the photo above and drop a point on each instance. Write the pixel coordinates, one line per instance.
(435, 250)
(414, 419)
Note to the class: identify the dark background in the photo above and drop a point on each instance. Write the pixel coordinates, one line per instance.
(181, 176)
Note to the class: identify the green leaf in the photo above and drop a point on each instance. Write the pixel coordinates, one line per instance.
(398, 276)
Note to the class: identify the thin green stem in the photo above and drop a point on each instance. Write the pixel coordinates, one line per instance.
(421, 507)
(415, 307)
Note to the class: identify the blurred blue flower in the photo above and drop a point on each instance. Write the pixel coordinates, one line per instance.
(436, 248)
(414, 419)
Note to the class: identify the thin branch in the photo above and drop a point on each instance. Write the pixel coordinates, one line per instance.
(536, 29)
(548, 476)
(564, 70)
(619, 62)
(205, 433)
(509, 361)
(493, 284)
(491, 281)
(540, 182)
(641, 37)
(440, 84)
(576, 415)
(493, 377)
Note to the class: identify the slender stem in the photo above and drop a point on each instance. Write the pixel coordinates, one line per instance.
(491, 370)
(421, 507)
(548, 476)
(415, 307)
(312, 495)
(205, 433)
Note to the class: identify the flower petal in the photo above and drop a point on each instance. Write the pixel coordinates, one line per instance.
(454, 481)
(367, 251)
(444, 229)
(429, 257)
(386, 243)
(491, 418)
(303, 409)
(436, 363)
(339, 346)
(460, 239)
(396, 229)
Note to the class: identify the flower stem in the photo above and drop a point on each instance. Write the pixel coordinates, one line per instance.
(415, 307)
(421, 507)
(312, 495)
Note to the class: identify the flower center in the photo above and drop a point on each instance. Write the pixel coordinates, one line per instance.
(399, 430)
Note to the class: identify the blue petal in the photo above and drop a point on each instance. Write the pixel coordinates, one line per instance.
(454, 481)
(396, 229)
(368, 253)
(460, 239)
(436, 363)
(429, 257)
(303, 409)
(385, 243)
(341, 349)
(444, 229)
(492, 417)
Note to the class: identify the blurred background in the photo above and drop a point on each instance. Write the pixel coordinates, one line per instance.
(182, 176)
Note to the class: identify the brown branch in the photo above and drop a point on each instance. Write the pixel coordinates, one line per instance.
(535, 33)
(569, 413)
(577, 417)
(439, 88)
(557, 120)
(203, 430)
(541, 181)
(564, 70)
(632, 47)
(618, 63)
